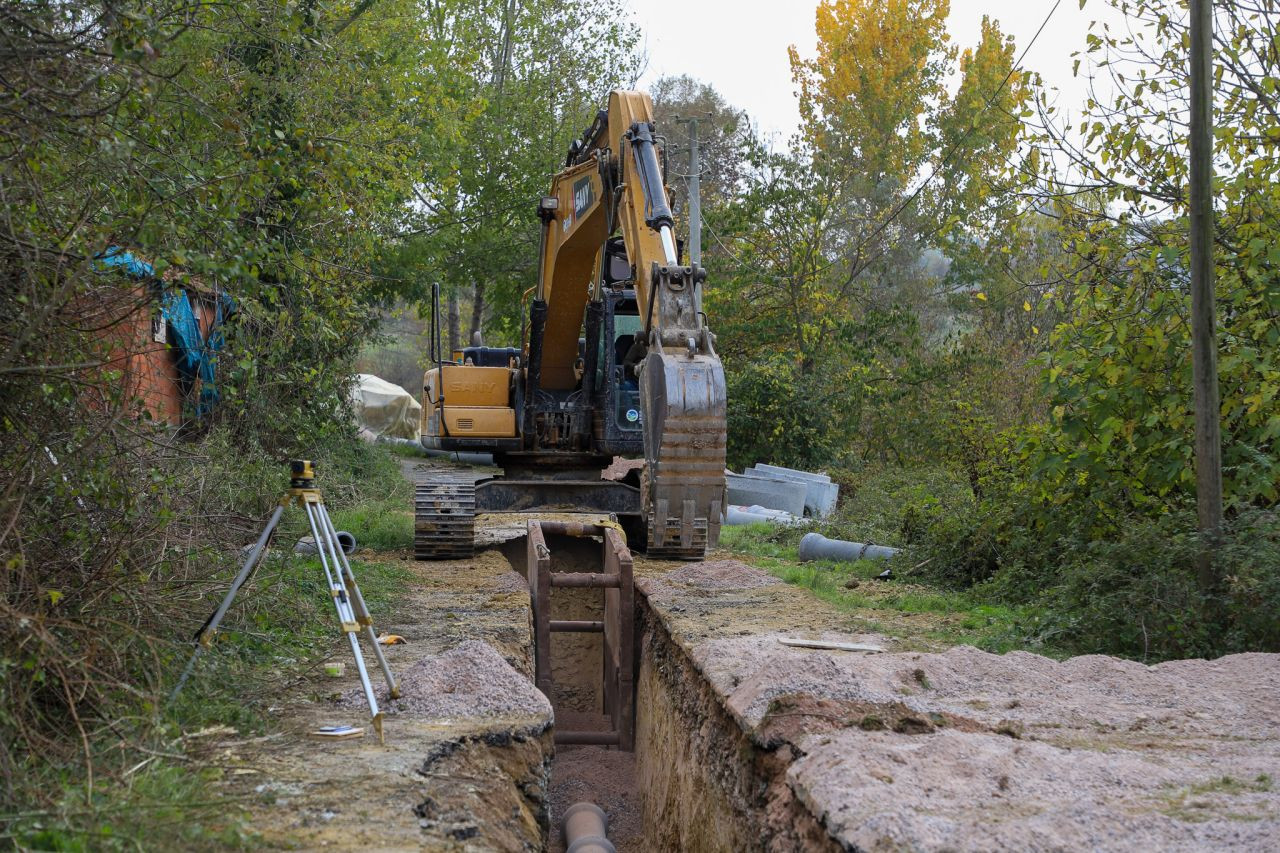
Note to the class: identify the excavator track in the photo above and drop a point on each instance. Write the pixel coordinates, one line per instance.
(444, 511)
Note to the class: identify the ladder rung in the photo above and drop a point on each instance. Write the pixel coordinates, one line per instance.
(585, 579)
(596, 738)
(577, 626)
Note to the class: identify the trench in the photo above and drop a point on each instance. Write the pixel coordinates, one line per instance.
(695, 780)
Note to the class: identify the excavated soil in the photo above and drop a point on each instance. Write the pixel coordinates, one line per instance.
(468, 751)
(744, 743)
(721, 574)
(957, 750)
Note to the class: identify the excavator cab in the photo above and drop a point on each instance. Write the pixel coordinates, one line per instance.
(615, 388)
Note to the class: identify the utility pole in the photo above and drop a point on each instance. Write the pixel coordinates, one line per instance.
(695, 193)
(1204, 346)
(695, 203)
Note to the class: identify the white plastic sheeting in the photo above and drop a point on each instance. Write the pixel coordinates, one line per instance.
(383, 409)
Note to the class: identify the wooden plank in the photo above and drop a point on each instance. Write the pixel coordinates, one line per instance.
(833, 645)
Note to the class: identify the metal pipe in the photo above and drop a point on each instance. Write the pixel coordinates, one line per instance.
(577, 626)
(587, 580)
(591, 358)
(342, 603)
(533, 371)
(815, 546)
(204, 637)
(668, 246)
(358, 607)
(585, 829)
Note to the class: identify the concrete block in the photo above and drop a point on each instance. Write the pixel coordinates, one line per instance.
(786, 495)
(820, 493)
(790, 473)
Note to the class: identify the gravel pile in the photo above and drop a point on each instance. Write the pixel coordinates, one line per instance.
(720, 574)
(469, 680)
(511, 582)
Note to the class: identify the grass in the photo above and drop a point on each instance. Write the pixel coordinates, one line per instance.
(281, 626)
(385, 525)
(162, 806)
(401, 451)
(917, 612)
(1193, 803)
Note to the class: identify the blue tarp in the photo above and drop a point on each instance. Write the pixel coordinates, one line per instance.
(197, 355)
(116, 258)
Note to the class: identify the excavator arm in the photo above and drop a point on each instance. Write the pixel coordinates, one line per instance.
(613, 184)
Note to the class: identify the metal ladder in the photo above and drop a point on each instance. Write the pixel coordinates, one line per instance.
(617, 627)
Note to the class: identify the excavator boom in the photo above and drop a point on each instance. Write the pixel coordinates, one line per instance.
(613, 182)
(644, 376)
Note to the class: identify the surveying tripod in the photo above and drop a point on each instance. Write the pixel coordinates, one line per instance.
(352, 612)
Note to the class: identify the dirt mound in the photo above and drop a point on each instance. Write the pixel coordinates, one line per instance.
(721, 574)
(511, 582)
(469, 680)
(1016, 751)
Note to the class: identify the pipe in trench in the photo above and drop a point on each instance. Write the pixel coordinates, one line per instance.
(585, 828)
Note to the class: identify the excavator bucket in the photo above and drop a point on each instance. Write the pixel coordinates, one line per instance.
(683, 397)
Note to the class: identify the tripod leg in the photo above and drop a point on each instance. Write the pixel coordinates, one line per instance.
(205, 636)
(328, 548)
(357, 604)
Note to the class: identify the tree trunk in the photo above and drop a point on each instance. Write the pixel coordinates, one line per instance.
(477, 311)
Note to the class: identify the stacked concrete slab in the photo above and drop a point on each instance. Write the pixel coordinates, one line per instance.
(796, 492)
(747, 489)
(820, 493)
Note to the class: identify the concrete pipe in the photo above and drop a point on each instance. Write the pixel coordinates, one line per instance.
(815, 546)
(346, 541)
(465, 457)
(585, 827)
(734, 516)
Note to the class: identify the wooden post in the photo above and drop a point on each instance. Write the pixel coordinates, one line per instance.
(1204, 347)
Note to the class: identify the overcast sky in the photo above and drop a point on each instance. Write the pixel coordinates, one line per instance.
(740, 46)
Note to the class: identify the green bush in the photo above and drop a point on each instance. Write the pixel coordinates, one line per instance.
(1131, 592)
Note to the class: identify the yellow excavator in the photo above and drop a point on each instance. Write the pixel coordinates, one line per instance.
(617, 361)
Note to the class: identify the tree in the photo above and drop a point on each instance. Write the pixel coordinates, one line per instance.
(265, 149)
(539, 71)
(722, 131)
(831, 245)
(1119, 370)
